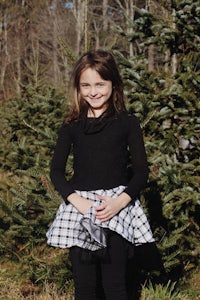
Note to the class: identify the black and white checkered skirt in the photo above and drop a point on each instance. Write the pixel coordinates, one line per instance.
(71, 228)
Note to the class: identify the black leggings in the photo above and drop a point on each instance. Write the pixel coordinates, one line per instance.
(113, 272)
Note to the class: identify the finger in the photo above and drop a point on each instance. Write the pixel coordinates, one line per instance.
(101, 207)
(102, 197)
(101, 213)
(104, 218)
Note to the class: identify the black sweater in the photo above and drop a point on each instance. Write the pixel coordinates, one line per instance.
(102, 150)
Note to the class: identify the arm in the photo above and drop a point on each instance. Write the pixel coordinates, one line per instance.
(57, 172)
(111, 206)
(58, 163)
(81, 204)
(138, 159)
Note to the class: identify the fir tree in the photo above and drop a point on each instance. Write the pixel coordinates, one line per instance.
(27, 198)
(166, 100)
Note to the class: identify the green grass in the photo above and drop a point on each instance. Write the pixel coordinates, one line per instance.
(160, 292)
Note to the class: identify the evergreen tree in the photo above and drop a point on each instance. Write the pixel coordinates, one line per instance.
(164, 96)
(28, 201)
(166, 100)
(27, 198)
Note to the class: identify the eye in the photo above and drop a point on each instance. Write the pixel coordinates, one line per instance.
(101, 84)
(84, 84)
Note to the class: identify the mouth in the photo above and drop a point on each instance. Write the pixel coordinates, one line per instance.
(95, 98)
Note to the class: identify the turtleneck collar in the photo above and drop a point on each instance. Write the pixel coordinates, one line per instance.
(94, 125)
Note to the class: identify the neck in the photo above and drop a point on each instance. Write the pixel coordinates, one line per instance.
(95, 113)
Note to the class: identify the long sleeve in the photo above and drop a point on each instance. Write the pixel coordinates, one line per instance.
(58, 163)
(100, 159)
(140, 169)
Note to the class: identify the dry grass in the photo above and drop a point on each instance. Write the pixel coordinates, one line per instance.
(11, 288)
(193, 286)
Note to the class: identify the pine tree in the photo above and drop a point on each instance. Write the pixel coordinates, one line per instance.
(27, 199)
(164, 96)
(166, 100)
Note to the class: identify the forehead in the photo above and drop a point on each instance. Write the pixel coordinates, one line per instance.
(91, 75)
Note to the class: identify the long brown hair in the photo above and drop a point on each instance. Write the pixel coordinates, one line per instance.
(104, 63)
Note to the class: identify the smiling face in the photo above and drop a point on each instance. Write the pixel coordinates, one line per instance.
(95, 91)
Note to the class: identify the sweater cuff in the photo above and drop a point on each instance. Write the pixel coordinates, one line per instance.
(132, 195)
(66, 195)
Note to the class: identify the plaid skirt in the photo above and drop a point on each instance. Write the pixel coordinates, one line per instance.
(71, 228)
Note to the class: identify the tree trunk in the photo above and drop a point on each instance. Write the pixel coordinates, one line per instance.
(151, 58)
(151, 62)
(174, 56)
(86, 25)
(55, 43)
(79, 15)
(105, 19)
(167, 60)
(4, 53)
(131, 16)
(18, 67)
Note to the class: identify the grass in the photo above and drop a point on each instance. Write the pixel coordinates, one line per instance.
(11, 288)
(189, 290)
(162, 293)
(44, 265)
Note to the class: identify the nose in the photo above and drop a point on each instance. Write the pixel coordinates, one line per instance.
(93, 91)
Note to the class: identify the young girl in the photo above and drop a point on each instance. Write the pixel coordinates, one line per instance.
(101, 218)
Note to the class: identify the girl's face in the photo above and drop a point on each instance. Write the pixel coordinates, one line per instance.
(95, 91)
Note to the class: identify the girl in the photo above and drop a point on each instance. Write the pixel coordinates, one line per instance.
(100, 219)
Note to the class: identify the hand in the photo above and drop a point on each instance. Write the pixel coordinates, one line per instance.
(84, 206)
(108, 209)
(81, 204)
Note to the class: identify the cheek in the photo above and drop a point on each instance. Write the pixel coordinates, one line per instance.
(109, 92)
(83, 92)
